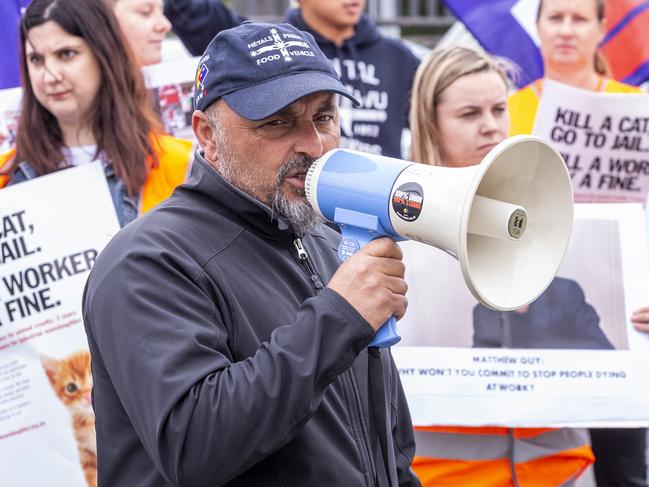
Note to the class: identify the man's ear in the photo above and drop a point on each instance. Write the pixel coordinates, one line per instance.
(204, 132)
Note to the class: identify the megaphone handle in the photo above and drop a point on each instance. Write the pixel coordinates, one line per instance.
(387, 335)
(353, 239)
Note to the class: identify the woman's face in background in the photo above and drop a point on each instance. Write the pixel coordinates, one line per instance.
(63, 72)
(570, 32)
(471, 118)
(144, 26)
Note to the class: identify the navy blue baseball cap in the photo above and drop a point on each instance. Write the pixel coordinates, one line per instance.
(260, 68)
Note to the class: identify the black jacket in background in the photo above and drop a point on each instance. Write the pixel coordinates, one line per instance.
(558, 319)
(218, 358)
(379, 71)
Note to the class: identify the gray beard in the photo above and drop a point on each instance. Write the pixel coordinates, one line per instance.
(298, 214)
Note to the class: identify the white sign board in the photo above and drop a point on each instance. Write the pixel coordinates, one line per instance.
(51, 231)
(572, 358)
(603, 137)
(9, 112)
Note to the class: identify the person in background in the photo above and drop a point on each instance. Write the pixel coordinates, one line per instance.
(640, 319)
(458, 114)
(144, 25)
(378, 70)
(84, 99)
(570, 32)
(251, 347)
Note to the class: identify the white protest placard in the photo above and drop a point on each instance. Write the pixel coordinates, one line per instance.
(603, 137)
(172, 86)
(9, 111)
(573, 358)
(51, 231)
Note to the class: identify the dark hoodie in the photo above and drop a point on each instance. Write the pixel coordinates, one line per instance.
(378, 70)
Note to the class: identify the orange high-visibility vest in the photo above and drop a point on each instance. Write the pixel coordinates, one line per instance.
(500, 457)
(5, 159)
(174, 157)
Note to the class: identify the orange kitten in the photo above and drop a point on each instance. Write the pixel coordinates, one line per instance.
(72, 382)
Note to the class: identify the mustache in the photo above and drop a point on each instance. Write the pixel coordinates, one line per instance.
(300, 163)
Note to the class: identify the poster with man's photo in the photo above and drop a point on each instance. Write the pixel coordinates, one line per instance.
(9, 111)
(171, 85)
(48, 245)
(571, 357)
(603, 137)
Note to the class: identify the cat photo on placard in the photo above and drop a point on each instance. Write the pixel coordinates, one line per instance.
(71, 381)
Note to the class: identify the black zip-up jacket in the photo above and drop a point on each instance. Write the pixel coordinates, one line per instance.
(378, 70)
(219, 357)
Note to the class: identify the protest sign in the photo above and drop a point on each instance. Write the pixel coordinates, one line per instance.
(172, 86)
(573, 358)
(603, 137)
(9, 111)
(51, 232)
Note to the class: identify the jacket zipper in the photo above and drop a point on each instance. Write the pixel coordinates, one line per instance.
(349, 383)
(306, 263)
(362, 439)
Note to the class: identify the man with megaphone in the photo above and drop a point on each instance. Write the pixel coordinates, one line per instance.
(229, 346)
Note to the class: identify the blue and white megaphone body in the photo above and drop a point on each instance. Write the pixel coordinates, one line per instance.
(507, 220)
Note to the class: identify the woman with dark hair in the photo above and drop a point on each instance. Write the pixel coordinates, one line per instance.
(84, 99)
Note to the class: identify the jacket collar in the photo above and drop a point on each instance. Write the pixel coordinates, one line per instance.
(240, 206)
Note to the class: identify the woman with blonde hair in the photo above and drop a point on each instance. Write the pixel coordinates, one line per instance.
(432, 132)
(458, 114)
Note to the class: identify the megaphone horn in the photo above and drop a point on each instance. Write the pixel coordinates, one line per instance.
(507, 220)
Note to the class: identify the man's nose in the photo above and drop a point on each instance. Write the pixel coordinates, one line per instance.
(309, 140)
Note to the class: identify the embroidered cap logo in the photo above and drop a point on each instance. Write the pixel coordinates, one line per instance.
(278, 45)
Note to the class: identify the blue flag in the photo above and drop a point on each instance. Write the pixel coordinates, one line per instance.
(494, 25)
(10, 11)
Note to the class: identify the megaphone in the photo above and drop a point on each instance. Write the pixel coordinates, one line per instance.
(507, 220)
